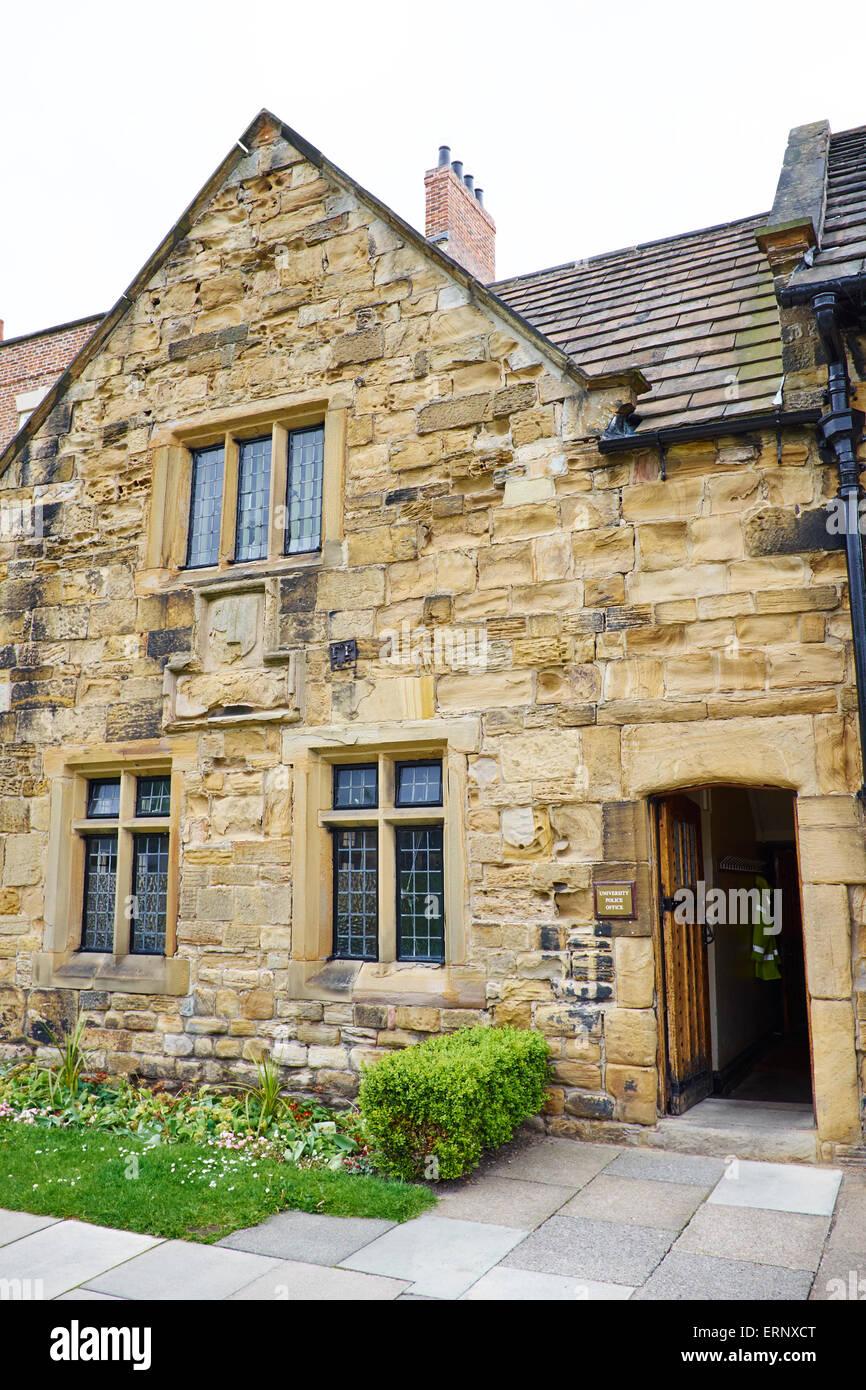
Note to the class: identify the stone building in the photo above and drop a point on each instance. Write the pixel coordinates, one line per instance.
(385, 651)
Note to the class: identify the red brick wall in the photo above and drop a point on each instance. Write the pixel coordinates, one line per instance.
(35, 361)
(462, 227)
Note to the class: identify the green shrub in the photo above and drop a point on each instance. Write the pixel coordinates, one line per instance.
(451, 1098)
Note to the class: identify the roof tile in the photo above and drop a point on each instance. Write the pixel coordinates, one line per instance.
(692, 312)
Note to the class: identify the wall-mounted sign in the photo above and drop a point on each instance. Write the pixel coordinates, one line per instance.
(614, 900)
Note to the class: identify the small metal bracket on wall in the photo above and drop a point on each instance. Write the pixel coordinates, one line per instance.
(663, 460)
(343, 654)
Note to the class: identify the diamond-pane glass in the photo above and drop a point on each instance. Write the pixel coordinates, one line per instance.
(254, 488)
(153, 796)
(304, 492)
(149, 891)
(420, 893)
(356, 894)
(205, 506)
(103, 799)
(100, 887)
(419, 784)
(355, 786)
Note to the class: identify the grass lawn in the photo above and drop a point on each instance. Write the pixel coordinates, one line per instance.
(184, 1191)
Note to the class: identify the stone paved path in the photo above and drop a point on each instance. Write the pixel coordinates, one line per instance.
(542, 1219)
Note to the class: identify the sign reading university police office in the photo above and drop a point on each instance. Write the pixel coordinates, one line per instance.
(615, 900)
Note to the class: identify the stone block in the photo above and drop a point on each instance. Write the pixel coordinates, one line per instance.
(630, 1036)
(835, 1070)
(634, 972)
(636, 1092)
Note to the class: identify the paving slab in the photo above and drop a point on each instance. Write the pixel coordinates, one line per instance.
(526, 1285)
(179, 1269)
(598, 1250)
(692, 1169)
(667, 1206)
(304, 1236)
(560, 1162)
(294, 1281)
(503, 1201)
(839, 1279)
(15, 1224)
(789, 1239)
(848, 1232)
(778, 1187)
(68, 1253)
(87, 1296)
(440, 1257)
(682, 1277)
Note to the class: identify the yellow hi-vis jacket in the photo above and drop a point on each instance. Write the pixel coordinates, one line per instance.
(765, 950)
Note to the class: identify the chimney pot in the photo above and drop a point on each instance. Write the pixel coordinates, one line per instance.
(479, 194)
(456, 219)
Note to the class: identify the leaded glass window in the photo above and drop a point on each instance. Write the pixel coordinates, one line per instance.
(419, 784)
(304, 491)
(420, 893)
(125, 895)
(355, 786)
(387, 827)
(206, 502)
(100, 892)
(103, 799)
(153, 796)
(254, 488)
(149, 894)
(356, 893)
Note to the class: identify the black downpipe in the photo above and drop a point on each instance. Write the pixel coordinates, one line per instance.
(839, 430)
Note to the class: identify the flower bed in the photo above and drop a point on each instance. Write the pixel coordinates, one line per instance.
(302, 1132)
(195, 1163)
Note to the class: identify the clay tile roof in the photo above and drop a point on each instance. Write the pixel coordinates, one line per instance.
(696, 313)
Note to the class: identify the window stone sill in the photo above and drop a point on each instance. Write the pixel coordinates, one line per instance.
(380, 982)
(167, 975)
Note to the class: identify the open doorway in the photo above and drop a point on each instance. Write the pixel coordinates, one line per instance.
(731, 970)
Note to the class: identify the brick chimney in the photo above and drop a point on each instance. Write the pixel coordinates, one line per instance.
(456, 218)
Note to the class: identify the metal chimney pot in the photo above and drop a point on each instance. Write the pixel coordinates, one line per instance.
(457, 166)
(444, 156)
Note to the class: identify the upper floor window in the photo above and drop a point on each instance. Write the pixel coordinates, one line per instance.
(255, 498)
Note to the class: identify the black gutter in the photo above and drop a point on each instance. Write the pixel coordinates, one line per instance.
(621, 443)
(839, 432)
(849, 287)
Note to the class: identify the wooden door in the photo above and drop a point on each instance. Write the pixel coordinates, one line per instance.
(689, 1074)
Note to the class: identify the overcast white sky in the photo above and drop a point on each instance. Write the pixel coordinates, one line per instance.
(589, 126)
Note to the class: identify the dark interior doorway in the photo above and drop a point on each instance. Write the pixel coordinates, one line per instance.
(734, 997)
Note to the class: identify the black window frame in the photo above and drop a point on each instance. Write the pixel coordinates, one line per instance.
(102, 815)
(409, 829)
(83, 945)
(354, 767)
(196, 456)
(319, 492)
(138, 837)
(148, 777)
(336, 831)
(418, 762)
(242, 444)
